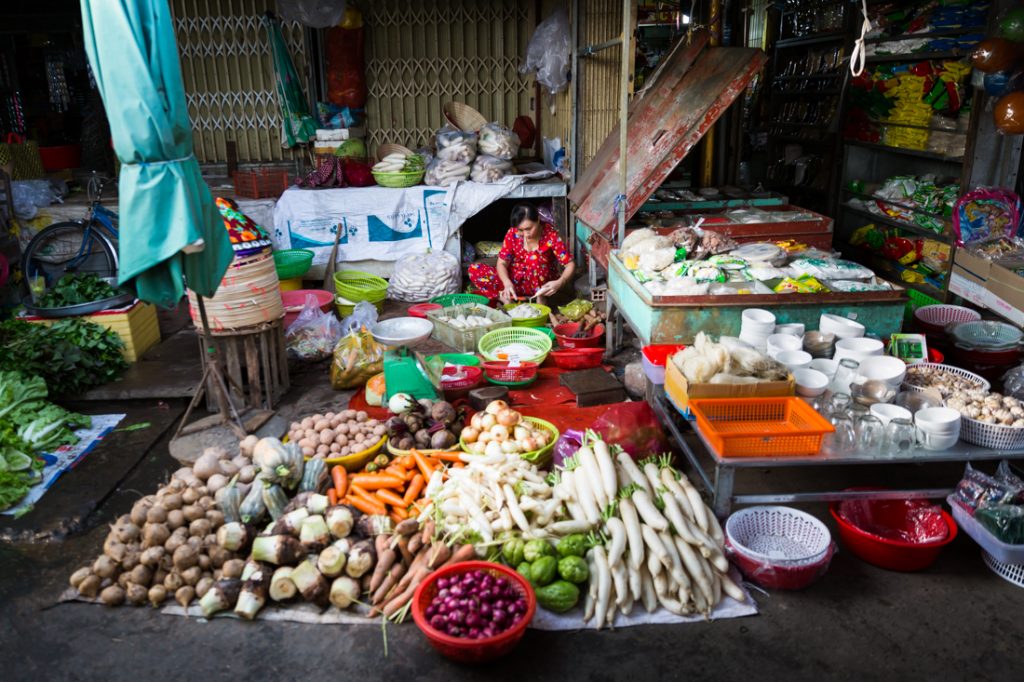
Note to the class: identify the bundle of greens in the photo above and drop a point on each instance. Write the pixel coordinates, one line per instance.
(71, 355)
(29, 425)
(75, 289)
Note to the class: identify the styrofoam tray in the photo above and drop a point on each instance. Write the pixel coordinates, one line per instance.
(1010, 554)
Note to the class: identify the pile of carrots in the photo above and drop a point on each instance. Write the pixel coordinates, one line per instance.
(394, 490)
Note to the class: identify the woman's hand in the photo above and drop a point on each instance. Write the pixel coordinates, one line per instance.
(508, 294)
(549, 288)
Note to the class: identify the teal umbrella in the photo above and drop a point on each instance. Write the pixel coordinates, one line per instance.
(169, 225)
(297, 126)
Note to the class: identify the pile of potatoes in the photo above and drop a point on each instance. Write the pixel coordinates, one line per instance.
(167, 546)
(336, 434)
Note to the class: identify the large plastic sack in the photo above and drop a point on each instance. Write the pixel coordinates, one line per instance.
(548, 52)
(312, 13)
(357, 359)
(445, 172)
(423, 276)
(455, 145)
(314, 333)
(489, 168)
(634, 427)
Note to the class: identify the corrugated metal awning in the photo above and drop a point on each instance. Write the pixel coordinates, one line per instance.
(692, 88)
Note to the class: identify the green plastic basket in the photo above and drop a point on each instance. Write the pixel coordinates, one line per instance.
(464, 359)
(549, 331)
(539, 321)
(400, 179)
(360, 286)
(458, 299)
(533, 338)
(291, 263)
(542, 457)
(349, 307)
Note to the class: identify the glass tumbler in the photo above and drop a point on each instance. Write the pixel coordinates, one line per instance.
(900, 436)
(845, 374)
(870, 434)
(843, 440)
(840, 404)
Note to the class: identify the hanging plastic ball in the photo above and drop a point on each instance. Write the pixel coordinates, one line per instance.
(1008, 114)
(1011, 25)
(994, 54)
(996, 84)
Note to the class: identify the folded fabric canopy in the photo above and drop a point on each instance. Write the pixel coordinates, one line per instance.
(169, 225)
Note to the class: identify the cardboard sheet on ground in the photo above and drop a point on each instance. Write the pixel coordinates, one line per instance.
(65, 458)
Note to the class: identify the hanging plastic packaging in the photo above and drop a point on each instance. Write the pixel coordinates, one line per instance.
(312, 13)
(548, 52)
(423, 276)
(346, 66)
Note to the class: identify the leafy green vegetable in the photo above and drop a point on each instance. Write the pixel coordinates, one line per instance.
(71, 356)
(13, 486)
(75, 289)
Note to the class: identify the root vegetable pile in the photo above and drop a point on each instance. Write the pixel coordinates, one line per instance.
(335, 434)
(501, 430)
(475, 605)
(422, 425)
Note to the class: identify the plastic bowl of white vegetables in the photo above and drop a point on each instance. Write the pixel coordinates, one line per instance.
(527, 314)
(500, 430)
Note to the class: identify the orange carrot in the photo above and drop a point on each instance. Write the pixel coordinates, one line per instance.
(424, 467)
(332, 496)
(388, 497)
(447, 456)
(414, 489)
(408, 462)
(340, 477)
(377, 481)
(366, 506)
(400, 512)
(396, 471)
(395, 517)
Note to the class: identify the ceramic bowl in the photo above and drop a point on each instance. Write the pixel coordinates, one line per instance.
(886, 412)
(858, 348)
(810, 382)
(794, 359)
(938, 420)
(793, 329)
(777, 343)
(825, 366)
(842, 327)
(884, 368)
(934, 441)
(757, 318)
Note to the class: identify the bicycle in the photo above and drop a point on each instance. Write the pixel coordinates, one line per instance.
(76, 246)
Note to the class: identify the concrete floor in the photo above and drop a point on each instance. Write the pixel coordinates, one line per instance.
(956, 620)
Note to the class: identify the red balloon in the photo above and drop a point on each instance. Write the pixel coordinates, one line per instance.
(1009, 113)
(995, 54)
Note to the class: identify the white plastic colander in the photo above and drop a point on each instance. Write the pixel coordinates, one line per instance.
(778, 535)
(1011, 573)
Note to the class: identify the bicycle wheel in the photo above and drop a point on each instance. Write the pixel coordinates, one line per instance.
(70, 247)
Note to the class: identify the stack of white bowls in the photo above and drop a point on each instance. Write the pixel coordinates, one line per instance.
(842, 327)
(859, 349)
(756, 326)
(883, 368)
(777, 343)
(938, 428)
(791, 328)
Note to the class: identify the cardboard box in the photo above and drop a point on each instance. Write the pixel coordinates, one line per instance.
(680, 391)
(136, 324)
(969, 277)
(1006, 290)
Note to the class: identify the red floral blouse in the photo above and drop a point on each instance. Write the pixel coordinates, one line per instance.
(531, 269)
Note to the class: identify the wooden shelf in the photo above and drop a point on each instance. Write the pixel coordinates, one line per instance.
(907, 227)
(921, 154)
(826, 37)
(930, 34)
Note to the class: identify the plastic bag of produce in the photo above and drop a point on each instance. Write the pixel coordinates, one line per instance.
(634, 427)
(455, 145)
(445, 172)
(568, 443)
(363, 315)
(314, 333)
(548, 52)
(830, 268)
(498, 141)
(1005, 521)
(423, 276)
(357, 359)
(488, 168)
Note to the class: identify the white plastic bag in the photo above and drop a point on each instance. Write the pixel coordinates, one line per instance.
(488, 168)
(421, 277)
(455, 145)
(364, 315)
(442, 172)
(314, 333)
(548, 52)
(498, 141)
(312, 13)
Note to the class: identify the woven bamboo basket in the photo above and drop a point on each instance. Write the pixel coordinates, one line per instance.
(388, 148)
(464, 117)
(249, 294)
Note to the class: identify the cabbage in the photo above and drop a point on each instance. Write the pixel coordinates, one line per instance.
(351, 148)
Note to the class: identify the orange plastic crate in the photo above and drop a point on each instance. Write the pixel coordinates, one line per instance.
(760, 427)
(261, 183)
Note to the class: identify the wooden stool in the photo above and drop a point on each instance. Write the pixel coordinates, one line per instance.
(253, 363)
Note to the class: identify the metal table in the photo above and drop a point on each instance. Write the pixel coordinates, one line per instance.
(720, 481)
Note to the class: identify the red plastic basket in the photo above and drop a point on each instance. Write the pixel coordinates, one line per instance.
(760, 427)
(421, 309)
(472, 650)
(895, 555)
(261, 183)
(500, 371)
(457, 388)
(579, 358)
(564, 335)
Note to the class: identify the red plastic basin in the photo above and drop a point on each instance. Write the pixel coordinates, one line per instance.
(895, 555)
(421, 309)
(294, 300)
(472, 650)
(564, 332)
(779, 576)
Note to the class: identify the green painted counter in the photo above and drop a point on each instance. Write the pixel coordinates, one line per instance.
(677, 319)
